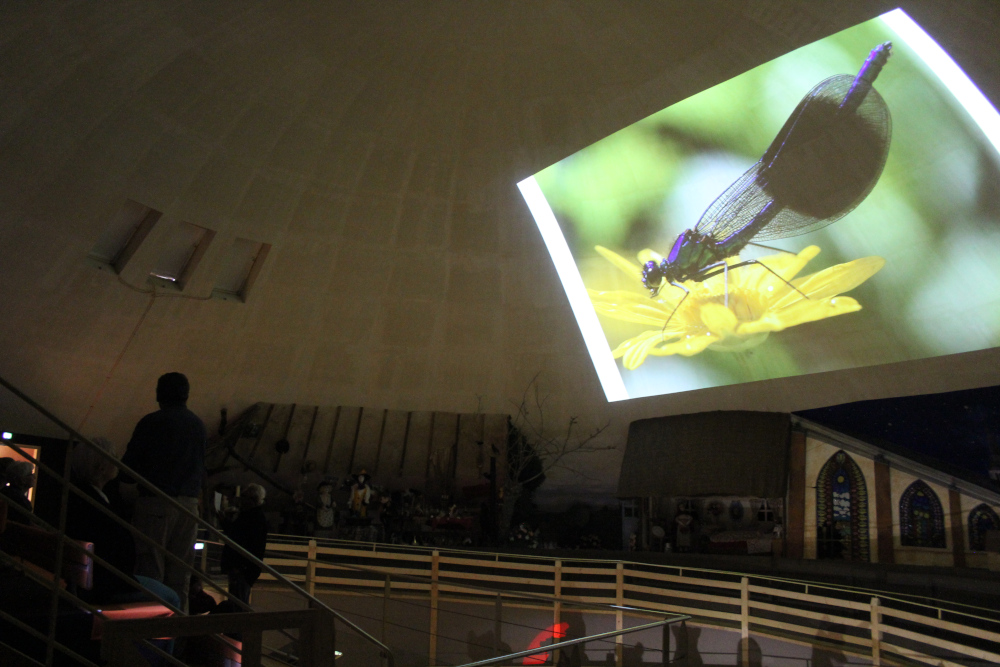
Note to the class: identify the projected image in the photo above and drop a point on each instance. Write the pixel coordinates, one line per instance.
(836, 207)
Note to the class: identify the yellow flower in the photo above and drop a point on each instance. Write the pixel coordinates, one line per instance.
(758, 303)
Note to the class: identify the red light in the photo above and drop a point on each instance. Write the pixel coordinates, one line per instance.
(557, 631)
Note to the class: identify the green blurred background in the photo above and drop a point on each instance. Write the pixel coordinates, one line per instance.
(934, 215)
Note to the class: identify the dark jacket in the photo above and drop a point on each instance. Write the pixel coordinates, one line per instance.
(168, 449)
(15, 497)
(112, 542)
(250, 532)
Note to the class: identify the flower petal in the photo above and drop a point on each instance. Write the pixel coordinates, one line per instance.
(804, 311)
(687, 347)
(623, 297)
(831, 281)
(648, 255)
(629, 307)
(785, 265)
(841, 278)
(719, 320)
(626, 265)
(629, 315)
(634, 351)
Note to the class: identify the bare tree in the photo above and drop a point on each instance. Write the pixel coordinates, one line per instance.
(533, 450)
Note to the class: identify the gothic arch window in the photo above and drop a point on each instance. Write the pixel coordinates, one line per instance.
(981, 519)
(921, 517)
(842, 510)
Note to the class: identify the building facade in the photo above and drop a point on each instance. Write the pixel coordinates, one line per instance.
(852, 500)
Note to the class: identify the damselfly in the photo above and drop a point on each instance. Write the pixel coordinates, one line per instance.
(825, 160)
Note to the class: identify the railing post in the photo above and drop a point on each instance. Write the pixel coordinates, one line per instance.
(666, 645)
(557, 592)
(251, 649)
(619, 616)
(204, 557)
(745, 619)
(311, 569)
(385, 605)
(323, 636)
(876, 633)
(498, 625)
(60, 550)
(118, 650)
(432, 650)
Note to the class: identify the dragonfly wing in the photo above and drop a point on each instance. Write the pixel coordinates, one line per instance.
(822, 164)
(825, 160)
(738, 206)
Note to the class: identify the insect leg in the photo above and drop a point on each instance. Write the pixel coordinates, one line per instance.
(725, 283)
(748, 262)
(724, 269)
(687, 293)
(761, 245)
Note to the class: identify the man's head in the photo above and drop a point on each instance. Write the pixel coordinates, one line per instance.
(92, 468)
(172, 388)
(4, 464)
(21, 475)
(253, 495)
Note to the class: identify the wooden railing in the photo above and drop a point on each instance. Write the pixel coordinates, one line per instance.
(888, 629)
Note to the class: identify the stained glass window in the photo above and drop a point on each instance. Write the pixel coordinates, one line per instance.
(921, 517)
(842, 510)
(981, 520)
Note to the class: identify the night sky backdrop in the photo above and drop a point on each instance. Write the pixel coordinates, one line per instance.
(957, 428)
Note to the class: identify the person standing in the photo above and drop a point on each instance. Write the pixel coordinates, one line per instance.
(20, 479)
(249, 530)
(168, 449)
(112, 541)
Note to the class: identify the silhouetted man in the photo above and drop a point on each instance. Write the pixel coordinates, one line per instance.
(19, 478)
(250, 532)
(168, 449)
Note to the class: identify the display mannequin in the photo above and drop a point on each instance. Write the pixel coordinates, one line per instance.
(361, 495)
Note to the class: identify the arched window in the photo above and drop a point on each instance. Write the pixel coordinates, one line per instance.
(842, 510)
(921, 517)
(981, 519)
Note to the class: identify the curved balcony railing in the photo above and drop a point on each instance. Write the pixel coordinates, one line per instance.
(878, 626)
(881, 627)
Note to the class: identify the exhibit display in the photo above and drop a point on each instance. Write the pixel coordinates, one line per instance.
(697, 246)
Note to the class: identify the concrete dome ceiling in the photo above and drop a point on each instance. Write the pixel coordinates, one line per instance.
(376, 147)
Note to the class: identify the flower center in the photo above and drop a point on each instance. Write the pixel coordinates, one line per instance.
(746, 305)
(708, 313)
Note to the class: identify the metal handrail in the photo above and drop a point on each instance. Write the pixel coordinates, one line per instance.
(386, 651)
(67, 541)
(23, 627)
(571, 642)
(134, 584)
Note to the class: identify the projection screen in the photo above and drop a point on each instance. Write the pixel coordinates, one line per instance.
(836, 207)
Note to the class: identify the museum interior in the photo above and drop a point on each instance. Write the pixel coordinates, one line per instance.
(497, 321)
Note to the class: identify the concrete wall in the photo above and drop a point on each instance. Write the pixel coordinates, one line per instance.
(376, 149)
